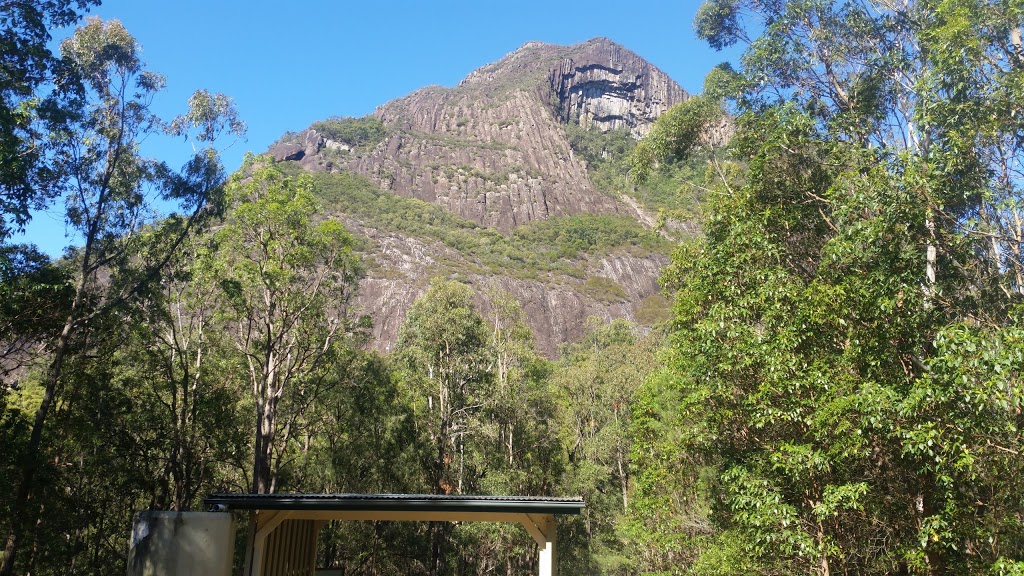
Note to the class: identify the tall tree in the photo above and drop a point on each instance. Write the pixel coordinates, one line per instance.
(109, 190)
(288, 275)
(518, 449)
(442, 349)
(175, 358)
(442, 346)
(517, 373)
(830, 326)
(595, 383)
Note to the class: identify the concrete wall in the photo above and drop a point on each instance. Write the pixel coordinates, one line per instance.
(181, 544)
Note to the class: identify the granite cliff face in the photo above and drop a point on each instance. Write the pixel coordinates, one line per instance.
(607, 87)
(557, 309)
(493, 150)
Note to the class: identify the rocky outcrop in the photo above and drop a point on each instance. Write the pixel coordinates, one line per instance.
(605, 86)
(721, 132)
(305, 146)
(283, 151)
(557, 309)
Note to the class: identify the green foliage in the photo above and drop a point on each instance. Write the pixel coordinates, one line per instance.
(653, 310)
(718, 22)
(27, 66)
(573, 236)
(101, 100)
(174, 337)
(365, 132)
(596, 147)
(595, 383)
(673, 188)
(35, 295)
(532, 250)
(846, 333)
(726, 556)
(676, 135)
(668, 523)
(520, 450)
(722, 82)
(677, 165)
(212, 114)
(442, 348)
(604, 289)
(287, 278)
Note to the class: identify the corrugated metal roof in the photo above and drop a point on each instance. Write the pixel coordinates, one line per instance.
(399, 503)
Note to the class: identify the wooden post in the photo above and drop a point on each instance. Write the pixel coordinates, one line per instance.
(265, 522)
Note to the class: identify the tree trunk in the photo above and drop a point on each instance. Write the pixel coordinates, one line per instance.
(261, 473)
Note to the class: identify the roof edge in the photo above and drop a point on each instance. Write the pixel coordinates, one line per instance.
(399, 503)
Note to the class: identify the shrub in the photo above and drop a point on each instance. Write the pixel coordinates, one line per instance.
(356, 132)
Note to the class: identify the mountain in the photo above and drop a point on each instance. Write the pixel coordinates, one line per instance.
(487, 181)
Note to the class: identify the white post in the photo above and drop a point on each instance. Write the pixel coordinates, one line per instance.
(258, 550)
(548, 566)
(548, 550)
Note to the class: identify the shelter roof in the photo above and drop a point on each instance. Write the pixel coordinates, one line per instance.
(399, 503)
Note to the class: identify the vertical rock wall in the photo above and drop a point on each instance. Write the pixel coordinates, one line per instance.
(605, 86)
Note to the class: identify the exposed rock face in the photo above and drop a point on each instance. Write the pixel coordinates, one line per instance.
(720, 134)
(494, 150)
(556, 310)
(607, 87)
(498, 161)
(287, 151)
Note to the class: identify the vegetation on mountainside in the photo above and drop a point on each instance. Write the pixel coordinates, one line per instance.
(365, 132)
(675, 189)
(531, 251)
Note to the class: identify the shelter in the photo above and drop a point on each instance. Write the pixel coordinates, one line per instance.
(283, 533)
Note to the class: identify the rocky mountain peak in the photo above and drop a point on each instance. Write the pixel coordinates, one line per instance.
(600, 84)
(492, 149)
(597, 84)
(495, 150)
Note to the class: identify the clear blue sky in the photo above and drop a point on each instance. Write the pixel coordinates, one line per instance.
(287, 64)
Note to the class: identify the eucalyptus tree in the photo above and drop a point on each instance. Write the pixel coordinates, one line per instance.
(517, 449)
(442, 354)
(177, 365)
(515, 409)
(442, 348)
(846, 334)
(595, 383)
(33, 292)
(109, 189)
(287, 277)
